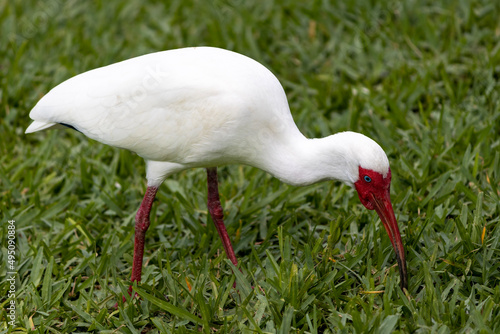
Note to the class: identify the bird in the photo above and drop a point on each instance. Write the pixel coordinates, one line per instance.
(205, 107)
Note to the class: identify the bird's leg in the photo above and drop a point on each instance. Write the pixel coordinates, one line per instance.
(141, 226)
(215, 209)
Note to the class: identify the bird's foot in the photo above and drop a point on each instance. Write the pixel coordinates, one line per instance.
(124, 299)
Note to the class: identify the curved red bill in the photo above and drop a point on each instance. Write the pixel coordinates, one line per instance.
(383, 207)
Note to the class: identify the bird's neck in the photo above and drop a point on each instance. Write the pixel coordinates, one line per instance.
(304, 161)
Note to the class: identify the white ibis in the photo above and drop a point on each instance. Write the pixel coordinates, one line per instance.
(206, 107)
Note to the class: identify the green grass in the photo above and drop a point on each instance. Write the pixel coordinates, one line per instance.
(420, 77)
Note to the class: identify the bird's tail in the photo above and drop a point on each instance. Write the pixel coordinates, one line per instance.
(39, 126)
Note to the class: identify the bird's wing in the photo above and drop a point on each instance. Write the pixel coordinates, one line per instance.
(127, 103)
(180, 105)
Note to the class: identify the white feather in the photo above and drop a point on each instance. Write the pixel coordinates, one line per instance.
(202, 107)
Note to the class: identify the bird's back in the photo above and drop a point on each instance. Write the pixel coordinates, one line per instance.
(193, 106)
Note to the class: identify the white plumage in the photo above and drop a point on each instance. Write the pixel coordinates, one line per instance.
(205, 107)
(201, 107)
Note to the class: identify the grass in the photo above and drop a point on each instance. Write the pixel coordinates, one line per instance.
(421, 78)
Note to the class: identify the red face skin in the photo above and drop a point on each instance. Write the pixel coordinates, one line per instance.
(374, 192)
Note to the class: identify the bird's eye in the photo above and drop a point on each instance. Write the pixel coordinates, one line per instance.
(367, 178)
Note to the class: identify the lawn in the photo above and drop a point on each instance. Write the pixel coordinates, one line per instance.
(421, 78)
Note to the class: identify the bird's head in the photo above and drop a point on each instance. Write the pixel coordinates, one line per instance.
(374, 192)
(372, 181)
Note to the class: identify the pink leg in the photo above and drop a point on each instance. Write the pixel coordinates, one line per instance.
(141, 226)
(215, 209)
